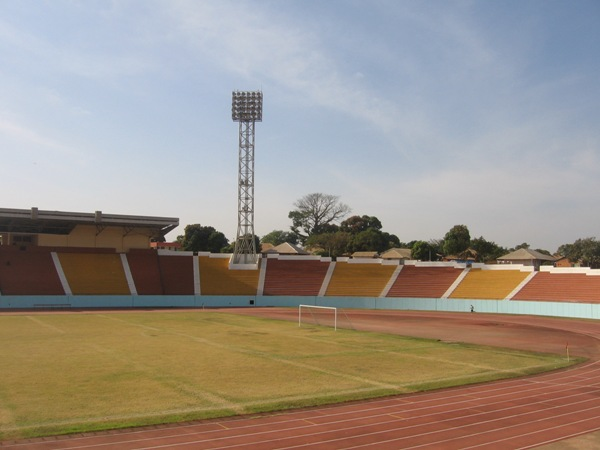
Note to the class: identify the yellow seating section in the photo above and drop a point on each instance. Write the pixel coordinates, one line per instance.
(488, 284)
(94, 273)
(359, 280)
(217, 279)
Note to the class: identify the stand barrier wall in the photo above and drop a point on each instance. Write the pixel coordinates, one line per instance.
(565, 309)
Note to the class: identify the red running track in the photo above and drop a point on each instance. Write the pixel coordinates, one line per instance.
(512, 414)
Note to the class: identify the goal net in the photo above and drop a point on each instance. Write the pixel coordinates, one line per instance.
(326, 316)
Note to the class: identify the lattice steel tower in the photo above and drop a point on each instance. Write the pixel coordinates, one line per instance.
(246, 108)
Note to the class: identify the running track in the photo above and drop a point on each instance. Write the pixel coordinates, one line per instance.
(512, 414)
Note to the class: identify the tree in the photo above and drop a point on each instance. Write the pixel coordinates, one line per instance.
(586, 250)
(356, 224)
(329, 244)
(314, 212)
(391, 240)
(438, 246)
(423, 251)
(567, 251)
(197, 238)
(368, 240)
(486, 250)
(277, 237)
(457, 240)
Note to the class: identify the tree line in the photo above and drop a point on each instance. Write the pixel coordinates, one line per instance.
(322, 224)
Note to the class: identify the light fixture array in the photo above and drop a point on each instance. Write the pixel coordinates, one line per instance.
(246, 106)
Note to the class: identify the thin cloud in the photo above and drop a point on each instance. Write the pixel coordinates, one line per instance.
(24, 136)
(262, 45)
(29, 48)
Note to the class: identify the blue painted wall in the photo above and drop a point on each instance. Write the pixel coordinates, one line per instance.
(579, 310)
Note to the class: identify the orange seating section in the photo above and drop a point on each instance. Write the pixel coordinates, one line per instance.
(217, 279)
(294, 277)
(488, 284)
(423, 281)
(359, 280)
(561, 287)
(94, 273)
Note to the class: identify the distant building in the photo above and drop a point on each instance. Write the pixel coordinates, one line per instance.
(284, 249)
(173, 246)
(265, 247)
(561, 261)
(397, 254)
(469, 256)
(527, 257)
(365, 255)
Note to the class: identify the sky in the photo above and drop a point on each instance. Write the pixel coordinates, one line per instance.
(426, 114)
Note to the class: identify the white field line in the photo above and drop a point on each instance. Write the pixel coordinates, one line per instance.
(46, 325)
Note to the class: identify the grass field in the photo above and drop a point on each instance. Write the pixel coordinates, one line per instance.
(64, 373)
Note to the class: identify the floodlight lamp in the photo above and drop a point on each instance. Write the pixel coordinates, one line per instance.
(246, 106)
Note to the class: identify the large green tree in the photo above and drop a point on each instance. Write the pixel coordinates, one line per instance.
(367, 235)
(423, 251)
(368, 240)
(456, 241)
(315, 213)
(356, 224)
(200, 238)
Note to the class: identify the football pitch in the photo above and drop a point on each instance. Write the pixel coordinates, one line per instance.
(66, 373)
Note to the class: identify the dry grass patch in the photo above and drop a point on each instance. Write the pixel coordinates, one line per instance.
(80, 372)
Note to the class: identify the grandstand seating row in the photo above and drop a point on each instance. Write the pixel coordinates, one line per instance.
(62, 271)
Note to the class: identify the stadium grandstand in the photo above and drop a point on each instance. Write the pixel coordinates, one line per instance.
(34, 227)
(54, 259)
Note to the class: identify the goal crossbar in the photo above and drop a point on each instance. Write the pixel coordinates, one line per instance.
(331, 308)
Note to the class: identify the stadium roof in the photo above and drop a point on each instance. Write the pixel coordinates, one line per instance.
(59, 222)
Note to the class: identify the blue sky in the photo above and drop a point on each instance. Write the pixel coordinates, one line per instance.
(426, 114)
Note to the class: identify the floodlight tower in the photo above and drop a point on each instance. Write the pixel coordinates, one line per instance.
(246, 108)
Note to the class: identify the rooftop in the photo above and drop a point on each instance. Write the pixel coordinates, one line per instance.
(39, 221)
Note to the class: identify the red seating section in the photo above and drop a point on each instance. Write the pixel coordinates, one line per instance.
(145, 270)
(561, 287)
(294, 277)
(177, 274)
(423, 282)
(29, 271)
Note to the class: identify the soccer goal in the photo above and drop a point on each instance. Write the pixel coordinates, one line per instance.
(317, 315)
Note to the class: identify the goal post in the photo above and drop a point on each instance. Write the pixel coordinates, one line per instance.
(319, 315)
